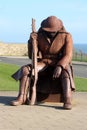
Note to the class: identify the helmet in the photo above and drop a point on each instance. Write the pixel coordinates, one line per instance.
(52, 24)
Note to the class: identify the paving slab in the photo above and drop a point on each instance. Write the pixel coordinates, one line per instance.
(46, 116)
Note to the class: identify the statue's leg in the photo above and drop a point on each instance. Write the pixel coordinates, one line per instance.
(67, 91)
(23, 88)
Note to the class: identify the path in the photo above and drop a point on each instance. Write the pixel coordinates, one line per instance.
(46, 116)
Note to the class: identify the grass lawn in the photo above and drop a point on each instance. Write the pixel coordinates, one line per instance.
(6, 82)
(9, 84)
(81, 84)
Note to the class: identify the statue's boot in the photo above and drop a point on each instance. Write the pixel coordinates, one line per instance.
(23, 91)
(67, 93)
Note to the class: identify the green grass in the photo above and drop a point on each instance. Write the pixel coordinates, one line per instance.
(81, 84)
(7, 83)
(79, 59)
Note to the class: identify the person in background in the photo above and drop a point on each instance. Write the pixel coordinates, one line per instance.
(55, 49)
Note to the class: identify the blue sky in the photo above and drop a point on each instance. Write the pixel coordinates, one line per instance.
(16, 15)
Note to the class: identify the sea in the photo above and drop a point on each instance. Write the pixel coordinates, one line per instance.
(81, 47)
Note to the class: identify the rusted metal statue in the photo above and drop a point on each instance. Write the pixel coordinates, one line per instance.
(51, 71)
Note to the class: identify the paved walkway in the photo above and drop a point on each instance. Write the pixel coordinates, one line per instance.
(47, 116)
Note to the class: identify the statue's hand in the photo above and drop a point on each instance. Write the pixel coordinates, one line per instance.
(33, 35)
(57, 72)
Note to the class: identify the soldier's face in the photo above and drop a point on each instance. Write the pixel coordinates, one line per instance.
(50, 34)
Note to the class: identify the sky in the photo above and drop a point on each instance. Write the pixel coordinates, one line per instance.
(16, 18)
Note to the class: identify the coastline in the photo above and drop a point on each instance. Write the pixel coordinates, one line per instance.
(81, 47)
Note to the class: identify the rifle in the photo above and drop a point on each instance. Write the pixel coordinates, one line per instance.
(34, 64)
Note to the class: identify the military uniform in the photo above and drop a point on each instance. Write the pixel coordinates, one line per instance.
(53, 52)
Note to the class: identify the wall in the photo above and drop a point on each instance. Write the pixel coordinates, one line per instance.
(13, 49)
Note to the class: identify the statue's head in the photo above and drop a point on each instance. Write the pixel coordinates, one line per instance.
(52, 24)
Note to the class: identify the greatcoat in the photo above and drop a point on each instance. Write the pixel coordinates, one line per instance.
(55, 52)
(59, 51)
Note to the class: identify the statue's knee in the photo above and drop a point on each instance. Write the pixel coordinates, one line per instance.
(64, 74)
(26, 70)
